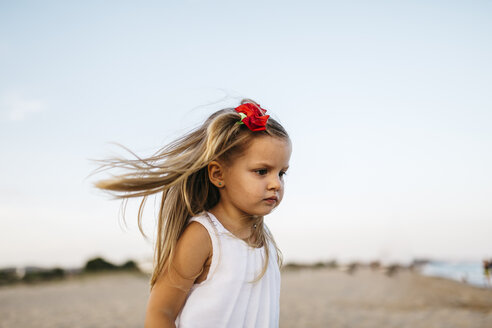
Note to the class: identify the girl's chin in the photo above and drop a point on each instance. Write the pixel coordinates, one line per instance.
(265, 211)
(262, 210)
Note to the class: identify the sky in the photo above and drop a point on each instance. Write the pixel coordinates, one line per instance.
(387, 103)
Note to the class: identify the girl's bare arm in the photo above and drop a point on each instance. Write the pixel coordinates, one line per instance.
(169, 293)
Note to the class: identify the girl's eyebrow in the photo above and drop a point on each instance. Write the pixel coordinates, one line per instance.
(268, 166)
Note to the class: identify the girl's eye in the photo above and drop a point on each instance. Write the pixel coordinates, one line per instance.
(261, 171)
(282, 173)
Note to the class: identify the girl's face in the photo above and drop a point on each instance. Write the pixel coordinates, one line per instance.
(254, 182)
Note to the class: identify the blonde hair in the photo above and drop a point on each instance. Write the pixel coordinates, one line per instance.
(179, 171)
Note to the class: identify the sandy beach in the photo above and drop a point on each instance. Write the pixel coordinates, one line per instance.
(309, 298)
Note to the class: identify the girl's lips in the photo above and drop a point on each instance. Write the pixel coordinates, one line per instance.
(271, 200)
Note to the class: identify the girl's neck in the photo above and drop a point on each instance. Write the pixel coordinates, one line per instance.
(238, 224)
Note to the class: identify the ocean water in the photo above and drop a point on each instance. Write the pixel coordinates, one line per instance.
(468, 272)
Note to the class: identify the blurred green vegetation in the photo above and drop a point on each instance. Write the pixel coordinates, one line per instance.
(99, 264)
(30, 275)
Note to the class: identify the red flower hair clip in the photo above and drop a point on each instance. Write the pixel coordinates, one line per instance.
(253, 116)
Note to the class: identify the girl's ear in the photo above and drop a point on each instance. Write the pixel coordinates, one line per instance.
(216, 174)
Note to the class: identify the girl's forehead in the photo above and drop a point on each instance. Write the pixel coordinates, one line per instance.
(268, 148)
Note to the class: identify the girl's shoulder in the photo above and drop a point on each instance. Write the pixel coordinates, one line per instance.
(195, 235)
(193, 250)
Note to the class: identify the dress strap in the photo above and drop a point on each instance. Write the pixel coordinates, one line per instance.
(216, 223)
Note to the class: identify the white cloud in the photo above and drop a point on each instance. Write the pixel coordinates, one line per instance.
(18, 108)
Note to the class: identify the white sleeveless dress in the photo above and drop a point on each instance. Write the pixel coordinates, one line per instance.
(227, 298)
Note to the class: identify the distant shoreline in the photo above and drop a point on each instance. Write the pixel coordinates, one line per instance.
(468, 272)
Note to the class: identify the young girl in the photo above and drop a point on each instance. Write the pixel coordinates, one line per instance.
(216, 263)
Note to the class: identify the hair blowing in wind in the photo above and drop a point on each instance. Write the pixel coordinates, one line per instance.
(178, 175)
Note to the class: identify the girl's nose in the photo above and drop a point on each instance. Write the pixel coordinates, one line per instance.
(275, 182)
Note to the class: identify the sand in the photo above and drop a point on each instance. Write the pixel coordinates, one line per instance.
(330, 298)
(309, 298)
